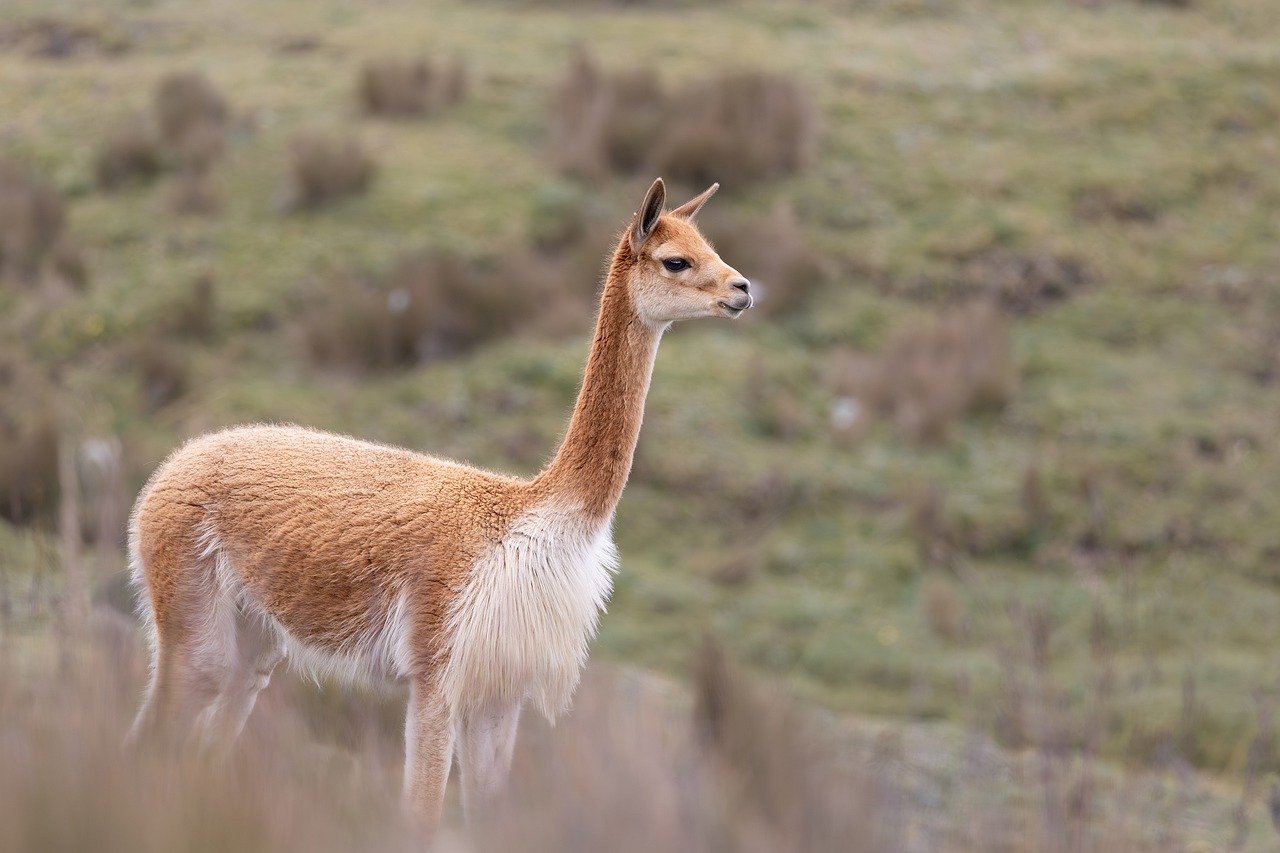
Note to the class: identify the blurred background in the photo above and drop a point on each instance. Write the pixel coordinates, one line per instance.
(967, 538)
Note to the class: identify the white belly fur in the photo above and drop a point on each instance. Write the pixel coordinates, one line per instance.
(521, 627)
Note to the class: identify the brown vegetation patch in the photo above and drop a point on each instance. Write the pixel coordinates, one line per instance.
(304, 43)
(326, 168)
(943, 610)
(28, 463)
(193, 314)
(435, 304)
(52, 38)
(403, 88)
(1104, 203)
(185, 102)
(185, 132)
(1025, 284)
(931, 373)
(130, 154)
(32, 223)
(163, 372)
(738, 127)
(1021, 282)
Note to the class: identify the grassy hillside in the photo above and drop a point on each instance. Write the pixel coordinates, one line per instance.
(1102, 539)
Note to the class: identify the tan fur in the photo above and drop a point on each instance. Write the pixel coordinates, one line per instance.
(480, 589)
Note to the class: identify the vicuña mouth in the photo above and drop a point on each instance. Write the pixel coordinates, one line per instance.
(733, 310)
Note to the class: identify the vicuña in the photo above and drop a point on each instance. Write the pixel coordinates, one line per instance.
(482, 591)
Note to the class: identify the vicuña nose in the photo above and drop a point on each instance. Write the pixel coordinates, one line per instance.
(741, 284)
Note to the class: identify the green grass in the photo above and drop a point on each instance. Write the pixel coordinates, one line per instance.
(949, 131)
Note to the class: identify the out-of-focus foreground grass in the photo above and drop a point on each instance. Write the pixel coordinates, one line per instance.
(639, 765)
(1002, 434)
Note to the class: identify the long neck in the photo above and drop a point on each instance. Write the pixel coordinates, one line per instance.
(594, 460)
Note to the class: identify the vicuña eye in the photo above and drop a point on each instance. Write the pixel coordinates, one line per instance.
(676, 264)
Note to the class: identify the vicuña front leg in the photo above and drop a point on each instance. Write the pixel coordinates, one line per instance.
(488, 739)
(428, 743)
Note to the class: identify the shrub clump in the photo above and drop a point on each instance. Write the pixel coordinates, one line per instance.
(435, 304)
(130, 154)
(930, 374)
(325, 168)
(33, 235)
(430, 305)
(163, 372)
(192, 119)
(943, 609)
(28, 466)
(1021, 282)
(402, 88)
(739, 126)
(186, 133)
(185, 103)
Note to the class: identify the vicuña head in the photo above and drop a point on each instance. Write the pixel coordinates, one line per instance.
(671, 270)
(482, 591)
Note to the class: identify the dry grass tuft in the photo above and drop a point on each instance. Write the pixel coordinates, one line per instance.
(28, 464)
(931, 529)
(931, 373)
(186, 103)
(579, 109)
(163, 372)
(188, 136)
(749, 771)
(943, 610)
(324, 169)
(632, 768)
(67, 264)
(738, 127)
(404, 88)
(199, 147)
(130, 155)
(1103, 203)
(194, 314)
(1025, 284)
(32, 221)
(68, 785)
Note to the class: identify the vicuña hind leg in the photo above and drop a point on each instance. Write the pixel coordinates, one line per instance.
(258, 650)
(487, 741)
(180, 689)
(198, 656)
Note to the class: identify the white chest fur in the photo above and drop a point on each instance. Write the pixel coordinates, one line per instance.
(521, 627)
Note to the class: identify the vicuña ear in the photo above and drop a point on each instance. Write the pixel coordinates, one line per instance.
(647, 217)
(690, 208)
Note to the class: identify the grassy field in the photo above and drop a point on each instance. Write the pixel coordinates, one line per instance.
(1104, 542)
